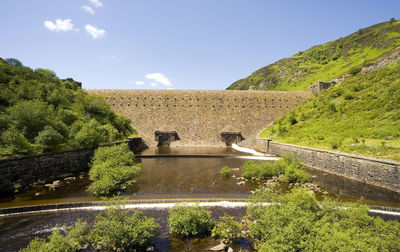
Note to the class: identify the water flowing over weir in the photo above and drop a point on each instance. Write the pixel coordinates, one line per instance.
(170, 176)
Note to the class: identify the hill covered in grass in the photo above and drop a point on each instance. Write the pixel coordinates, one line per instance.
(326, 62)
(40, 112)
(360, 115)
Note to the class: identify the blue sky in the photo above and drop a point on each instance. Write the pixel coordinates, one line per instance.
(178, 44)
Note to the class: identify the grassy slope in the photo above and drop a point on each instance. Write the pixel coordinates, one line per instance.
(325, 62)
(355, 116)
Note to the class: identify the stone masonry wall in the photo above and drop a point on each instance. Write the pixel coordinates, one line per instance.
(379, 172)
(28, 169)
(199, 116)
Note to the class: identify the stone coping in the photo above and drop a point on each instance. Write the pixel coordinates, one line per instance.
(383, 161)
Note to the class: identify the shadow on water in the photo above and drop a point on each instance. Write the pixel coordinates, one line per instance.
(190, 177)
(168, 177)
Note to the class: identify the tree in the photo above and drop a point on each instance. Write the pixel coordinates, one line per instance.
(14, 62)
(111, 168)
(49, 138)
(90, 135)
(31, 116)
(14, 142)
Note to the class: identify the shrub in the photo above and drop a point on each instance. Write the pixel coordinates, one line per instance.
(292, 168)
(57, 243)
(116, 228)
(298, 223)
(111, 168)
(14, 142)
(354, 70)
(189, 220)
(227, 229)
(348, 96)
(225, 172)
(296, 175)
(90, 135)
(49, 138)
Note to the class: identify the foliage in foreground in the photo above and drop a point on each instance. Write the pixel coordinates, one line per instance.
(40, 112)
(292, 168)
(300, 223)
(75, 236)
(115, 228)
(360, 115)
(112, 167)
(189, 220)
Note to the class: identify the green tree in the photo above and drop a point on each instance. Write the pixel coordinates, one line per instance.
(14, 62)
(112, 168)
(49, 138)
(14, 142)
(31, 117)
(90, 135)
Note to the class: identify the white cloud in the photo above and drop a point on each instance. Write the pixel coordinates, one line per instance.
(160, 78)
(94, 32)
(59, 25)
(88, 9)
(153, 84)
(139, 83)
(96, 3)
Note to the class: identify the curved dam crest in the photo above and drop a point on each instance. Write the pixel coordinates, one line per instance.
(199, 116)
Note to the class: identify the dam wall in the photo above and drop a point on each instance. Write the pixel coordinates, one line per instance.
(199, 116)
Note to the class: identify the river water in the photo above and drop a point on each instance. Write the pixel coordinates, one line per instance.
(190, 173)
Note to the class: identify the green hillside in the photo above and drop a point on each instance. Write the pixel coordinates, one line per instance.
(40, 112)
(360, 115)
(327, 61)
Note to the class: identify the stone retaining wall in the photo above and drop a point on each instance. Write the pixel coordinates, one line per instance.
(25, 170)
(379, 172)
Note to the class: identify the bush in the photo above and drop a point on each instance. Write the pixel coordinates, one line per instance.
(111, 168)
(14, 142)
(116, 228)
(225, 172)
(354, 70)
(299, 223)
(292, 168)
(262, 170)
(227, 229)
(189, 220)
(90, 135)
(296, 175)
(57, 243)
(49, 138)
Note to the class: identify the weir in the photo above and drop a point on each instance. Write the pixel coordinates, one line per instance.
(201, 118)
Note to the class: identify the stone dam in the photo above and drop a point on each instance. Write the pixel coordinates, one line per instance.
(201, 117)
